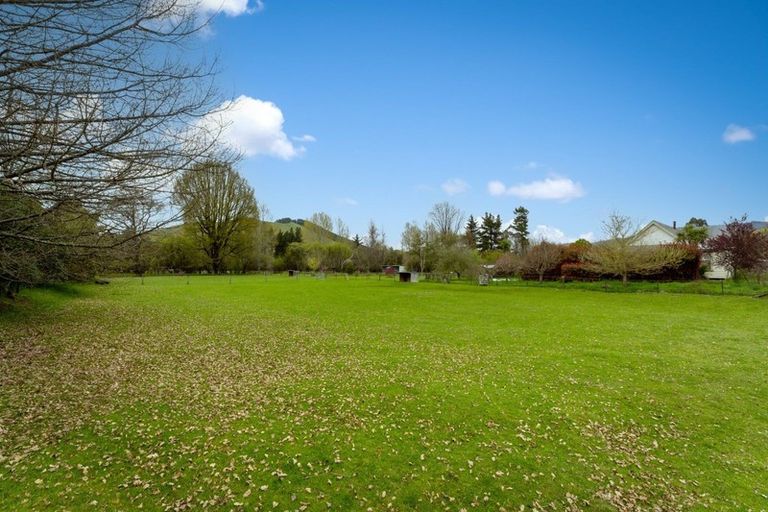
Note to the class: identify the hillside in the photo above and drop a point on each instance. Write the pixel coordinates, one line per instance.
(310, 232)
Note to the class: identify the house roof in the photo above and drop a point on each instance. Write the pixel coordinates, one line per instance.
(660, 225)
(713, 230)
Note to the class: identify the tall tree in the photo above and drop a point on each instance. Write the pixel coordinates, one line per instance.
(489, 233)
(374, 252)
(519, 230)
(471, 233)
(413, 242)
(217, 202)
(447, 220)
(98, 100)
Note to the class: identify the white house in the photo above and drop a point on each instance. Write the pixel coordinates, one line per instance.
(657, 233)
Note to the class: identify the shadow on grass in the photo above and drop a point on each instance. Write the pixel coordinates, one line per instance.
(39, 299)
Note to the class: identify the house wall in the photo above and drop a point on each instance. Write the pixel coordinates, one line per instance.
(654, 236)
(716, 271)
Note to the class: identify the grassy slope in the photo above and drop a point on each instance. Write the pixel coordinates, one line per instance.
(310, 231)
(365, 393)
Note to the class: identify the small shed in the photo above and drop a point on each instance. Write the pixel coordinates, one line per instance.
(408, 277)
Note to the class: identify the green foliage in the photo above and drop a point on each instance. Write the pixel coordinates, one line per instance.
(178, 251)
(285, 238)
(218, 205)
(519, 230)
(457, 259)
(471, 232)
(296, 257)
(695, 232)
(26, 262)
(328, 256)
(489, 236)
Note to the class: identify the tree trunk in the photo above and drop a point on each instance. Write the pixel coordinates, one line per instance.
(624, 279)
(541, 277)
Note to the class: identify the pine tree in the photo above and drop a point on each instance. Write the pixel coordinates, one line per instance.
(489, 233)
(520, 230)
(471, 233)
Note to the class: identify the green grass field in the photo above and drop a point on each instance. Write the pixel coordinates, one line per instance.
(304, 394)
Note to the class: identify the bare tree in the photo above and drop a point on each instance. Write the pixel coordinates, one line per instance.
(447, 219)
(323, 220)
(374, 252)
(341, 228)
(99, 104)
(217, 203)
(619, 256)
(542, 257)
(135, 215)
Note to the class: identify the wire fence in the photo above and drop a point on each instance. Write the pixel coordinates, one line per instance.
(700, 287)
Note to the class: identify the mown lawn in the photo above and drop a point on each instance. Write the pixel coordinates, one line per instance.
(307, 394)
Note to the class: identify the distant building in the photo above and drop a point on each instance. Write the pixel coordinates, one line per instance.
(658, 233)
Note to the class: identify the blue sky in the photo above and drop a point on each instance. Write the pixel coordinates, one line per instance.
(378, 110)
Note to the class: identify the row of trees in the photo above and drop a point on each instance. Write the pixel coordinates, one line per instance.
(100, 131)
(223, 231)
(488, 235)
(486, 247)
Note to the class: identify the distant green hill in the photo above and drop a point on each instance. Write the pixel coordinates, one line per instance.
(310, 232)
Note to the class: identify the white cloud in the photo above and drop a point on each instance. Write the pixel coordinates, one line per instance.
(229, 7)
(734, 134)
(555, 235)
(253, 127)
(305, 138)
(347, 201)
(561, 189)
(548, 233)
(496, 188)
(454, 186)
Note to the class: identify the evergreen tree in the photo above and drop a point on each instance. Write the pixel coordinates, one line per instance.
(281, 243)
(357, 241)
(519, 230)
(489, 233)
(471, 233)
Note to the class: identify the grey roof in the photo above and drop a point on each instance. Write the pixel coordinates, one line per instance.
(715, 229)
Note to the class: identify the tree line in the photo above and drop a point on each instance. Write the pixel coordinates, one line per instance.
(486, 247)
(102, 148)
